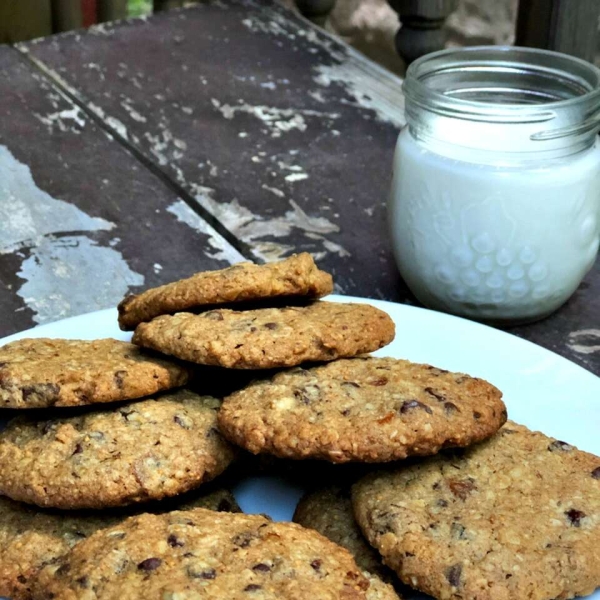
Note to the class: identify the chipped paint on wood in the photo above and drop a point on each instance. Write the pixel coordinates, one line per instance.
(27, 213)
(585, 341)
(222, 249)
(61, 273)
(277, 120)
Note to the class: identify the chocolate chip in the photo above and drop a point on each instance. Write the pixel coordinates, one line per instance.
(83, 582)
(224, 505)
(119, 376)
(461, 488)
(436, 371)
(439, 396)
(301, 397)
(270, 326)
(575, 516)
(48, 392)
(78, 449)
(252, 587)
(181, 421)
(458, 531)
(48, 426)
(316, 564)
(174, 541)
(409, 405)
(562, 446)
(213, 315)
(201, 573)
(379, 381)
(476, 415)
(22, 579)
(261, 568)
(596, 473)
(450, 408)
(150, 564)
(243, 539)
(453, 575)
(345, 412)
(63, 569)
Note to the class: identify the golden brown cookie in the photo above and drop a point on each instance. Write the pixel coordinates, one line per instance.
(329, 511)
(362, 409)
(31, 538)
(142, 451)
(201, 554)
(517, 516)
(269, 337)
(295, 276)
(42, 372)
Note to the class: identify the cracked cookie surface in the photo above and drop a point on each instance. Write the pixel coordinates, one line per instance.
(362, 409)
(31, 538)
(296, 276)
(269, 337)
(43, 372)
(517, 516)
(138, 452)
(202, 554)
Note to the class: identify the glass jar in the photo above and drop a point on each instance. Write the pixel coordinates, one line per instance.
(495, 202)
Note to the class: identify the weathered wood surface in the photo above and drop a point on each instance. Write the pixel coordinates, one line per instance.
(81, 221)
(280, 132)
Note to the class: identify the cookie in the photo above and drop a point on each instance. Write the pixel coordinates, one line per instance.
(202, 554)
(329, 511)
(141, 451)
(31, 538)
(269, 337)
(362, 409)
(296, 276)
(517, 516)
(41, 372)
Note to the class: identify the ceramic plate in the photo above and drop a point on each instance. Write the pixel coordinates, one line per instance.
(541, 389)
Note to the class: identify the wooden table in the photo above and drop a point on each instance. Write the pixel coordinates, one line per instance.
(140, 152)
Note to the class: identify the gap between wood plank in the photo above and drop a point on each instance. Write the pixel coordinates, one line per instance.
(78, 99)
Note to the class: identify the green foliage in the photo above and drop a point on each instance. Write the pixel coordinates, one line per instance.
(137, 8)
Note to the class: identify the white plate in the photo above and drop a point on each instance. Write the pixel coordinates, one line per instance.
(541, 389)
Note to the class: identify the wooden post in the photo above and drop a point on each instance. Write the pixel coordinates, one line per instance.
(159, 5)
(316, 10)
(422, 22)
(24, 19)
(111, 10)
(569, 26)
(66, 15)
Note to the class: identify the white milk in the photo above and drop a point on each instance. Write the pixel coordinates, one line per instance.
(489, 241)
(495, 202)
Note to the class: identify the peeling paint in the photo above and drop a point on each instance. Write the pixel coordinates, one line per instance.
(222, 249)
(60, 273)
(585, 341)
(134, 114)
(118, 126)
(273, 190)
(69, 119)
(277, 120)
(292, 177)
(253, 229)
(368, 92)
(27, 213)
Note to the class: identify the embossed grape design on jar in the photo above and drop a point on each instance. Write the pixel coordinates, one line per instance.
(495, 202)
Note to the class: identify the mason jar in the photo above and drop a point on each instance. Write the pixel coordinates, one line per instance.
(495, 202)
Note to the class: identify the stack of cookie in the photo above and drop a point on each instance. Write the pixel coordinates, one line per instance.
(506, 514)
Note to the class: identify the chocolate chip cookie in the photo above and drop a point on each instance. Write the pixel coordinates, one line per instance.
(329, 511)
(202, 554)
(362, 409)
(41, 372)
(269, 337)
(141, 451)
(31, 538)
(517, 516)
(296, 276)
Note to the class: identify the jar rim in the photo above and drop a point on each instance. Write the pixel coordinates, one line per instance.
(506, 84)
